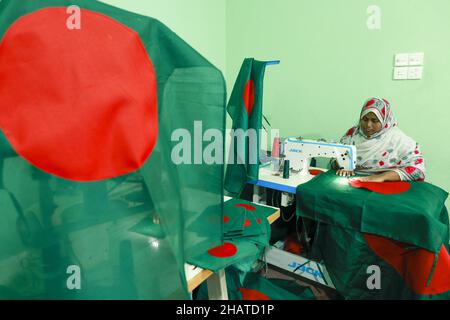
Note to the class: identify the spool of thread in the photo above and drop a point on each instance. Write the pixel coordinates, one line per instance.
(276, 147)
(275, 165)
(286, 169)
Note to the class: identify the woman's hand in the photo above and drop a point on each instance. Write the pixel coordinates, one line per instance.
(382, 177)
(374, 178)
(345, 173)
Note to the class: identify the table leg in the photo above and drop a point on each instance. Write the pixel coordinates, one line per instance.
(217, 286)
(259, 195)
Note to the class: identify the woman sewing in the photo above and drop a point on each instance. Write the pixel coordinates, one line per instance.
(383, 150)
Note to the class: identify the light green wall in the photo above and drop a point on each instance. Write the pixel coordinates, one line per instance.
(201, 23)
(331, 63)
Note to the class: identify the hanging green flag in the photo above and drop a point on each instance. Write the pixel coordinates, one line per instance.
(94, 203)
(245, 109)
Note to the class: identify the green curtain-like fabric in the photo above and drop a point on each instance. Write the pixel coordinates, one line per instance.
(245, 109)
(126, 237)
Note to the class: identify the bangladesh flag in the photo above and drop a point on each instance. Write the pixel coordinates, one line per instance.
(380, 240)
(92, 203)
(245, 109)
(369, 267)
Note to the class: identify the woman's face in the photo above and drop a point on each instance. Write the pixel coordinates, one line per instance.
(370, 124)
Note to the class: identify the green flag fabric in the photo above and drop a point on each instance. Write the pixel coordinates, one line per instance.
(245, 109)
(405, 234)
(405, 272)
(413, 217)
(246, 235)
(94, 203)
(245, 220)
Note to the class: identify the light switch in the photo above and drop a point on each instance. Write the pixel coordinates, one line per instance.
(401, 73)
(416, 59)
(401, 59)
(415, 73)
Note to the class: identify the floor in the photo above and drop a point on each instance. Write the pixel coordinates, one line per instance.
(319, 293)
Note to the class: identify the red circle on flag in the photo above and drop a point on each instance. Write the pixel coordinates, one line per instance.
(80, 104)
(382, 187)
(226, 250)
(249, 96)
(315, 172)
(245, 206)
(414, 265)
(252, 294)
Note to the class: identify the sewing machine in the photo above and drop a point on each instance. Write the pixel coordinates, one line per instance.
(300, 152)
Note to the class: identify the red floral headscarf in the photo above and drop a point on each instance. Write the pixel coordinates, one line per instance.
(382, 109)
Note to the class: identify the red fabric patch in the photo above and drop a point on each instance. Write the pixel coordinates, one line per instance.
(419, 161)
(249, 96)
(381, 163)
(292, 245)
(416, 152)
(315, 172)
(74, 110)
(399, 163)
(258, 220)
(251, 294)
(247, 223)
(410, 169)
(350, 132)
(383, 111)
(386, 126)
(381, 187)
(226, 219)
(226, 250)
(369, 103)
(414, 266)
(246, 206)
(385, 154)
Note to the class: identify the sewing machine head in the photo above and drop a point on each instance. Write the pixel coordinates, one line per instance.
(300, 152)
